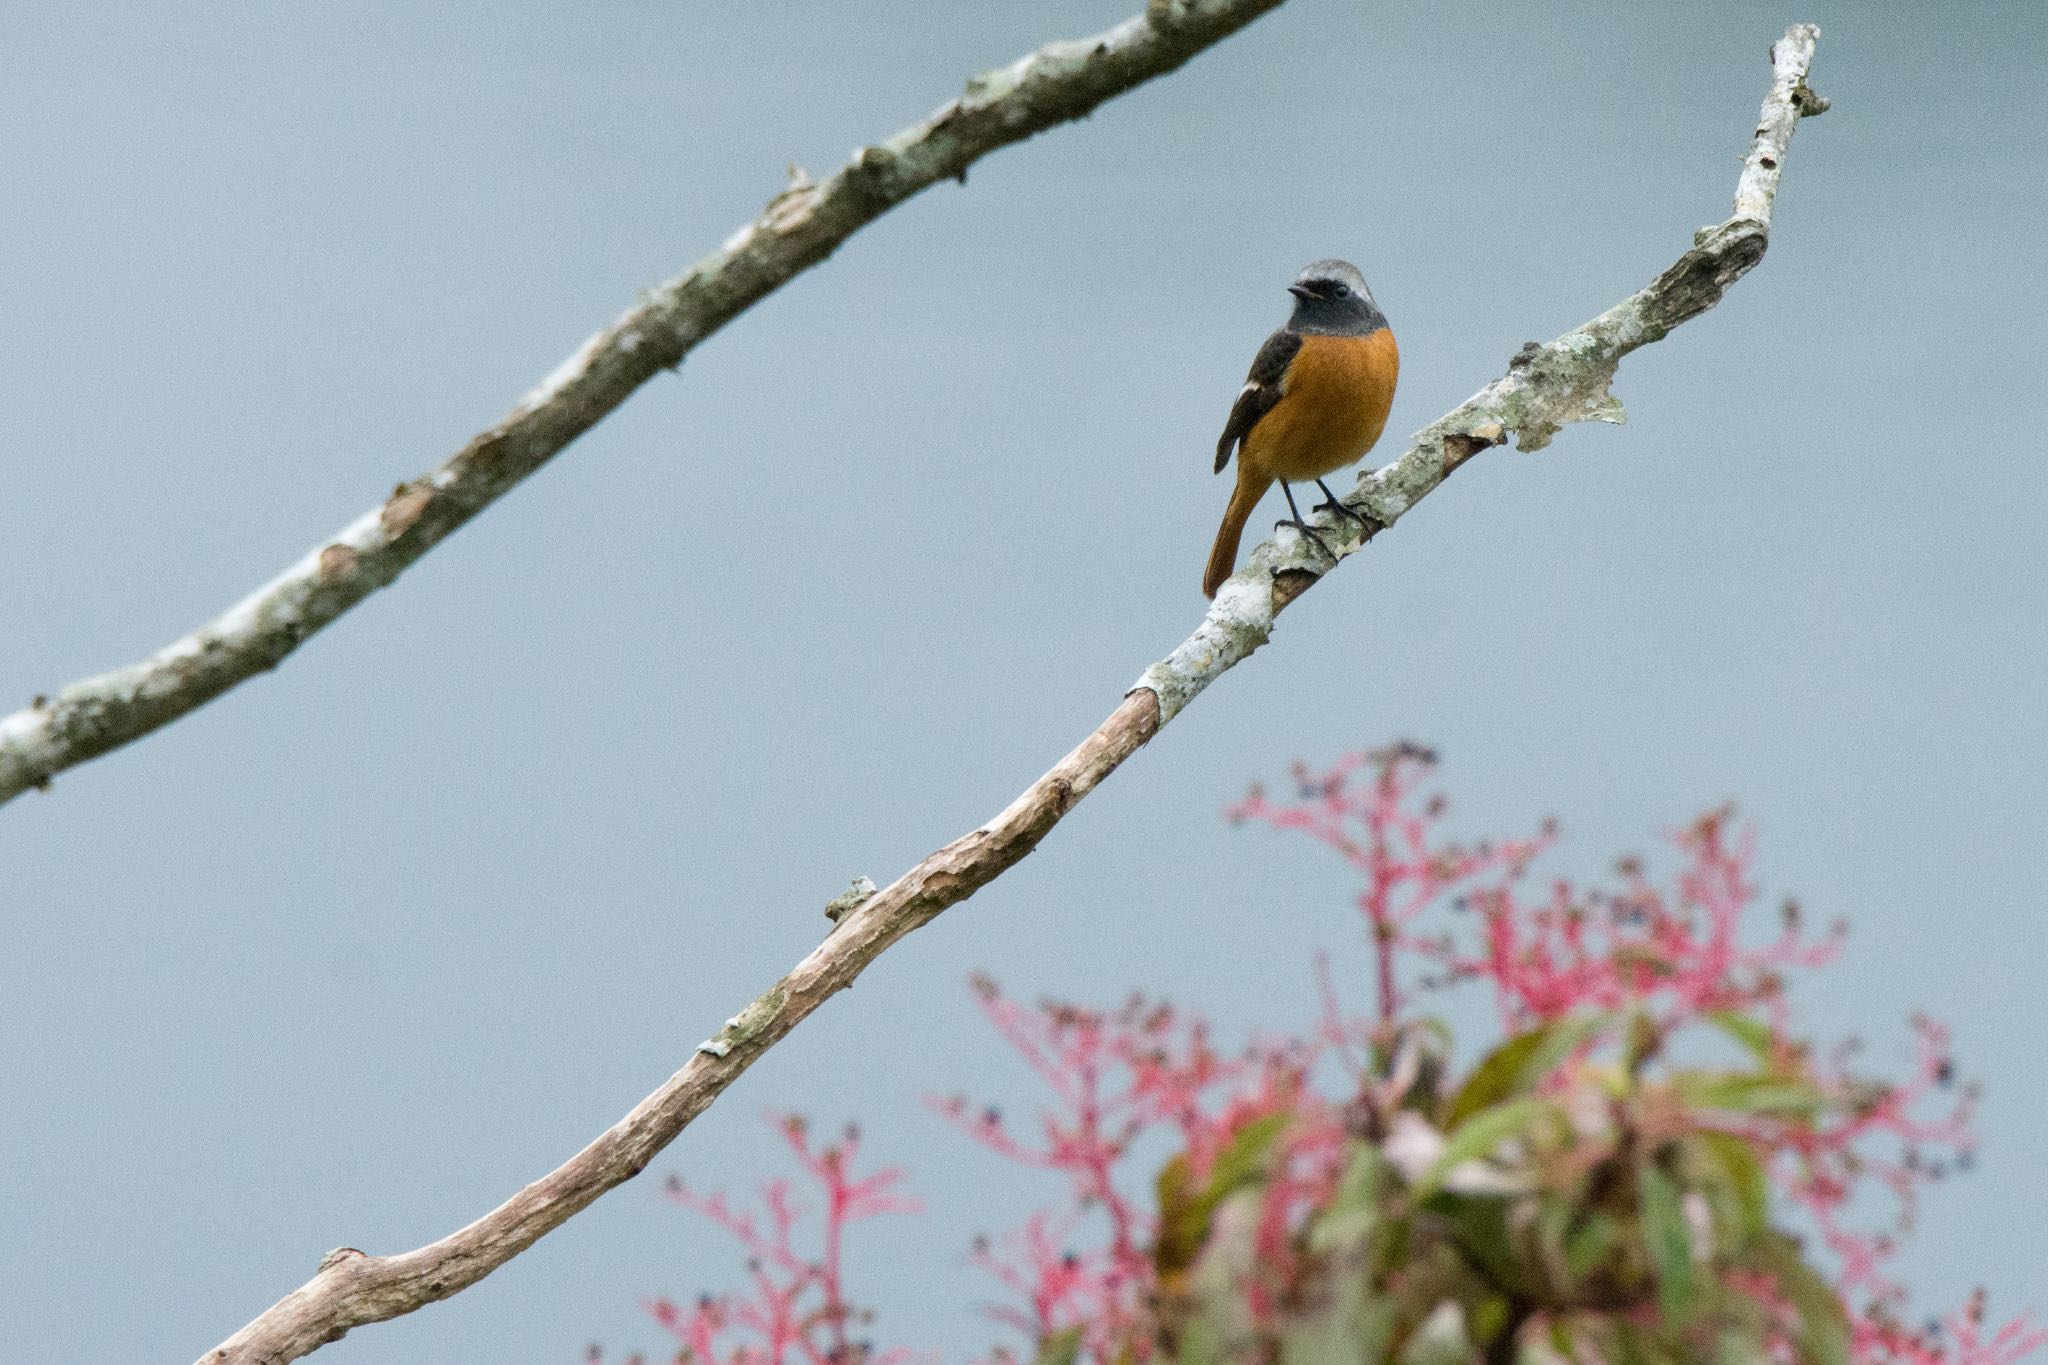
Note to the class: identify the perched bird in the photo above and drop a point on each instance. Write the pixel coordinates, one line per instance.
(1315, 401)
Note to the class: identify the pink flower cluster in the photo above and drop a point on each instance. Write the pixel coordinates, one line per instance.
(1677, 953)
(1381, 829)
(1886, 1139)
(1098, 1273)
(795, 1310)
(1115, 1076)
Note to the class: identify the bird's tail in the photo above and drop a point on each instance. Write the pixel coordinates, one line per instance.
(1223, 558)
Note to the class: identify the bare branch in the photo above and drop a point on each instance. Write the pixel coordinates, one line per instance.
(1545, 388)
(800, 227)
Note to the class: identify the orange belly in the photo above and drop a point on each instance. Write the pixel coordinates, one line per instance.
(1338, 392)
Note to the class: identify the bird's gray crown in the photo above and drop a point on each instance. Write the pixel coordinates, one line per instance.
(1336, 272)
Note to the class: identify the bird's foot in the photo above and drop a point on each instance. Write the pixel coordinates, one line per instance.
(1311, 533)
(1365, 523)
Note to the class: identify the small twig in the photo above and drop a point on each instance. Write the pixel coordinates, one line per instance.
(1565, 381)
(852, 898)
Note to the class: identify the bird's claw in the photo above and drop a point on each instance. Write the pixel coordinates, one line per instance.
(1311, 533)
(1365, 523)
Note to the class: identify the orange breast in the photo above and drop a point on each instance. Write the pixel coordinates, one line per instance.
(1337, 396)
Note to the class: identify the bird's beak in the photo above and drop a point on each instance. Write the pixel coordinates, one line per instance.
(1300, 291)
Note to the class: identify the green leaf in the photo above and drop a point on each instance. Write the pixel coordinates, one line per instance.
(1219, 1329)
(1440, 1338)
(1244, 1158)
(1635, 1344)
(1202, 1343)
(1355, 1211)
(1183, 1218)
(1520, 1063)
(1731, 1165)
(1480, 1134)
(1060, 1348)
(1668, 1239)
(1823, 1325)
(1742, 1345)
(1639, 1043)
(1746, 1093)
(1184, 1212)
(1590, 1245)
(1348, 1323)
(1490, 1317)
(1484, 1228)
(1754, 1034)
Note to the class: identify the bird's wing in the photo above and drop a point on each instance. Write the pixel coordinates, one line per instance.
(1265, 386)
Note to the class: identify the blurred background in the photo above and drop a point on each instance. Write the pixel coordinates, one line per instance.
(352, 953)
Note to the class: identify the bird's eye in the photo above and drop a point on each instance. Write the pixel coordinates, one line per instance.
(1343, 291)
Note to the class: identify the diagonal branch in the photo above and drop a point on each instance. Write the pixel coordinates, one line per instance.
(800, 227)
(1545, 388)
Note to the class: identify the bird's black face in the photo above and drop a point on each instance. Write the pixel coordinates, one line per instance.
(1331, 297)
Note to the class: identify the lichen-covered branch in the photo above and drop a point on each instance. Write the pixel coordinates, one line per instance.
(802, 226)
(1545, 388)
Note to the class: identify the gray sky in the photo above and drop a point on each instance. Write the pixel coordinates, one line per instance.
(352, 953)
